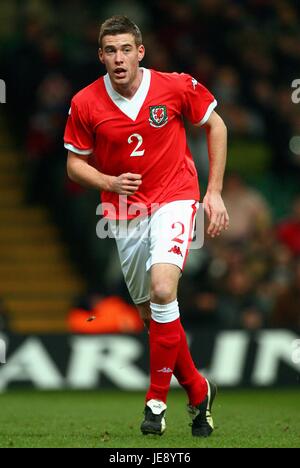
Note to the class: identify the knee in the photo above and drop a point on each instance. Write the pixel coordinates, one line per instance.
(162, 293)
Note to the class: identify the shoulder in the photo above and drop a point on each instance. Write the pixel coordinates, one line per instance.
(87, 95)
(180, 84)
(175, 80)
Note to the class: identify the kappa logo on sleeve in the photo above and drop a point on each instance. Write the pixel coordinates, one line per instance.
(194, 83)
(158, 116)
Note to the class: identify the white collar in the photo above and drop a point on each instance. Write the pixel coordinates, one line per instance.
(130, 107)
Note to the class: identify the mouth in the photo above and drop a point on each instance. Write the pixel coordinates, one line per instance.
(120, 72)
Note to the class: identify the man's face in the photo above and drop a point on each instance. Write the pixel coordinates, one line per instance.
(121, 57)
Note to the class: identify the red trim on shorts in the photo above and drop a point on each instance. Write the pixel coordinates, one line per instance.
(194, 208)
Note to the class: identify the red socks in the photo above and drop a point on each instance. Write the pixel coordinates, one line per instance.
(164, 346)
(170, 354)
(187, 375)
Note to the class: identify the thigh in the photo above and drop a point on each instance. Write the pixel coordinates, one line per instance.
(133, 248)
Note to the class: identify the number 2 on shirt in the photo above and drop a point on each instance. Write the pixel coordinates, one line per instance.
(139, 138)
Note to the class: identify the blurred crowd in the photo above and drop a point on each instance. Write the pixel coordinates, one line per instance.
(250, 276)
(247, 53)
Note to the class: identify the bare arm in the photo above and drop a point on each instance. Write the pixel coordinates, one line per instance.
(81, 172)
(216, 133)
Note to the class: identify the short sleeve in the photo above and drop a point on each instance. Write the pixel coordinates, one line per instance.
(198, 103)
(78, 135)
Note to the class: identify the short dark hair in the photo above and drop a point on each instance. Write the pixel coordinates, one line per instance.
(120, 24)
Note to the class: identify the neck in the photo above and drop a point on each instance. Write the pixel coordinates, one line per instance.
(128, 90)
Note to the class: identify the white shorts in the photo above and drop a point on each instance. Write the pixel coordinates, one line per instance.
(163, 237)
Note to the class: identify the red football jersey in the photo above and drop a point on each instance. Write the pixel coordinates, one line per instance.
(143, 135)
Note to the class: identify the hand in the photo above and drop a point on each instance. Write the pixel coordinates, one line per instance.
(216, 212)
(125, 184)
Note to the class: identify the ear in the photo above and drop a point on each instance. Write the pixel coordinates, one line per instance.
(100, 55)
(141, 52)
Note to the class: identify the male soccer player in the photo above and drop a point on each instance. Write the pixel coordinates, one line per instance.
(131, 120)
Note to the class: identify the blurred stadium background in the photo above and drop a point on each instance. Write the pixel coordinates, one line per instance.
(240, 294)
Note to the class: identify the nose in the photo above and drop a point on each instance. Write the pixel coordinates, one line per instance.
(119, 57)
